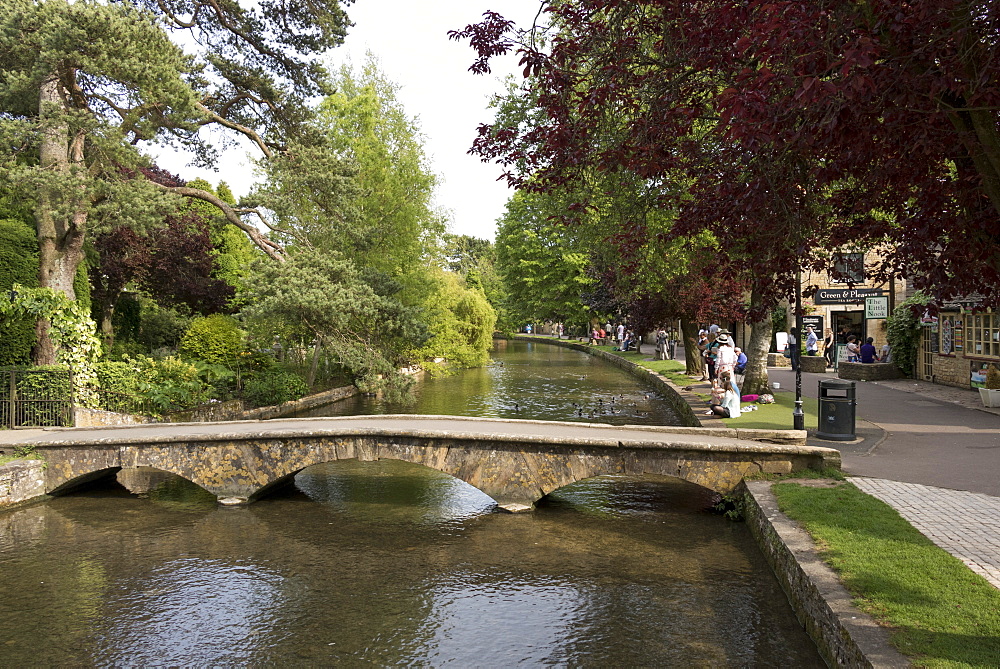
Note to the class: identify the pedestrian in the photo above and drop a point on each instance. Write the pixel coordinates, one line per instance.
(621, 334)
(868, 352)
(853, 350)
(725, 401)
(886, 354)
(793, 348)
(711, 351)
(828, 347)
(661, 345)
(812, 341)
(741, 361)
(725, 354)
(672, 344)
(698, 345)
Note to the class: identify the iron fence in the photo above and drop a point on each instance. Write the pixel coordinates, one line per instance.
(36, 398)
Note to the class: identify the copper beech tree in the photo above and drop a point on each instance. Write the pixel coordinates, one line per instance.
(795, 128)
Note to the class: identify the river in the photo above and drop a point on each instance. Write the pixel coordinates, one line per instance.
(387, 564)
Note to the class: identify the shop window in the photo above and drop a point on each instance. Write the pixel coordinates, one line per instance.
(848, 268)
(952, 334)
(982, 335)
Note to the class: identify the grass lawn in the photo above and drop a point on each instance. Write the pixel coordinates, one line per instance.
(941, 613)
(777, 416)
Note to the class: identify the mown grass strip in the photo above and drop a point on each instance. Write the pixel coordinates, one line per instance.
(941, 613)
(777, 416)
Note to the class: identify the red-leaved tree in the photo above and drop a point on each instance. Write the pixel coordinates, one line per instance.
(796, 127)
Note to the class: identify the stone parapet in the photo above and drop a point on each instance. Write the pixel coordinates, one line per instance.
(871, 371)
(845, 636)
(778, 360)
(21, 480)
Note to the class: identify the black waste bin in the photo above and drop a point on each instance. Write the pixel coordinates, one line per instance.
(837, 405)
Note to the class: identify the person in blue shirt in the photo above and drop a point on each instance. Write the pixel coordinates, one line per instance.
(868, 352)
(741, 362)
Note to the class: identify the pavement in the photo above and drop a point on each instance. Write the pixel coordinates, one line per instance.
(930, 451)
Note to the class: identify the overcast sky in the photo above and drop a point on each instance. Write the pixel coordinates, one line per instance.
(410, 38)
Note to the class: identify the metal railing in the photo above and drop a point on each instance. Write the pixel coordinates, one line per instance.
(36, 398)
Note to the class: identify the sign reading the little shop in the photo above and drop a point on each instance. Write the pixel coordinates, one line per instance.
(846, 295)
(876, 307)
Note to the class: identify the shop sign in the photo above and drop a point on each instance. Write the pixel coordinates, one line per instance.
(845, 295)
(876, 307)
(816, 322)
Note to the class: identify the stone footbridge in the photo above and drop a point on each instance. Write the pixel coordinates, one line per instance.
(514, 462)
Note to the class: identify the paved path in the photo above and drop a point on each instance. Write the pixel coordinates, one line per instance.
(932, 452)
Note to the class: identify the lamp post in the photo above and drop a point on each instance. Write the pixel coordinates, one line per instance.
(798, 417)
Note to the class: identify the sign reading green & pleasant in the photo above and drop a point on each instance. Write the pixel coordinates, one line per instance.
(845, 295)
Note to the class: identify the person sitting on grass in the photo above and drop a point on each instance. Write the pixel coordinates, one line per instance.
(725, 397)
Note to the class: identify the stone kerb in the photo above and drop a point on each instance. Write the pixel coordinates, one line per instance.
(868, 371)
(844, 635)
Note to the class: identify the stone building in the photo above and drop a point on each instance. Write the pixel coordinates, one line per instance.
(958, 345)
(840, 300)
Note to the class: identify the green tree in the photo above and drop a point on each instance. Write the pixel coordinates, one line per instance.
(83, 84)
(460, 321)
(365, 120)
(324, 298)
(543, 267)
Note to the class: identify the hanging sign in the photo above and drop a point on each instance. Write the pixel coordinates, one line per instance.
(876, 307)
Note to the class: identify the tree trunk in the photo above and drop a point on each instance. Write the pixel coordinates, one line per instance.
(317, 347)
(60, 229)
(755, 382)
(692, 356)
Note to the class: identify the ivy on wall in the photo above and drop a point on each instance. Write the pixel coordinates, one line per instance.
(71, 328)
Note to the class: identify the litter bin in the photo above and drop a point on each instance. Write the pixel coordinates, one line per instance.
(836, 410)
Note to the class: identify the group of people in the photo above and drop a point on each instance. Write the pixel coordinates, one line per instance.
(718, 353)
(867, 352)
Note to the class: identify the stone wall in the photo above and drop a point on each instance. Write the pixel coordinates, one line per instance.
(778, 360)
(952, 370)
(814, 364)
(21, 480)
(83, 417)
(845, 636)
(871, 371)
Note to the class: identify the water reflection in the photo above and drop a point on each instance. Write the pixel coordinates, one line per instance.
(530, 381)
(389, 563)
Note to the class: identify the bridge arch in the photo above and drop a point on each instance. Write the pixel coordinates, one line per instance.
(516, 468)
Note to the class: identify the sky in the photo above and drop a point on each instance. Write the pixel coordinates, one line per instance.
(410, 39)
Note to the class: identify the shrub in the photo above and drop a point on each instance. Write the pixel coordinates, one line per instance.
(274, 387)
(992, 378)
(217, 339)
(903, 333)
(161, 328)
(169, 384)
(18, 264)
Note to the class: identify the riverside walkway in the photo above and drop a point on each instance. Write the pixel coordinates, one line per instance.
(932, 452)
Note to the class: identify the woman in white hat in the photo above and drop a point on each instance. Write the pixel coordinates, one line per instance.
(725, 356)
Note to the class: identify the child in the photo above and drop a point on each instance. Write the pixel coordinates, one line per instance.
(725, 397)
